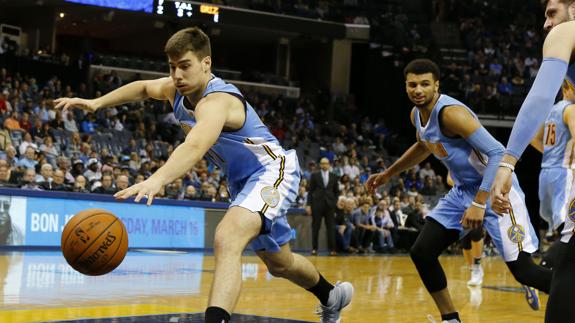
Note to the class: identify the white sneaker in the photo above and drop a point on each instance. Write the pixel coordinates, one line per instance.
(476, 276)
(339, 297)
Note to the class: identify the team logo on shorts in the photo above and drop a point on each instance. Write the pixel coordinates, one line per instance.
(572, 210)
(516, 233)
(270, 195)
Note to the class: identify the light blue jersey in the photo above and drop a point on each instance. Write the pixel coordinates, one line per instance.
(466, 165)
(558, 165)
(511, 233)
(240, 153)
(557, 142)
(262, 177)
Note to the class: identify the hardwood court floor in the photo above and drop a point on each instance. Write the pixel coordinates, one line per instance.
(40, 286)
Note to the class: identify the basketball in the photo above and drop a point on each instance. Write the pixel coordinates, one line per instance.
(94, 242)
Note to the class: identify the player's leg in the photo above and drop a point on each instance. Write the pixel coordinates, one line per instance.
(559, 307)
(303, 273)
(555, 207)
(515, 238)
(466, 247)
(476, 237)
(233, 233)
(431, 242)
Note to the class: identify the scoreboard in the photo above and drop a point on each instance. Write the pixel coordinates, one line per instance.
(191, 10)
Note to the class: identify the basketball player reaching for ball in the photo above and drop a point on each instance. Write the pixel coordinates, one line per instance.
(450, 130)
(263, 178)
(555, 141)
(558, 51)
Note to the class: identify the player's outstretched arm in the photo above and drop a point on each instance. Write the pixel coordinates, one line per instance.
(557, 50)
(211, 115)
(159, 89)
(417, 153)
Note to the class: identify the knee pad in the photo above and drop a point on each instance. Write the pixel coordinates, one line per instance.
(476, 235)
(466, 242)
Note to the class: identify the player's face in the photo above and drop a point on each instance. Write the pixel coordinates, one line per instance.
(557, 13)
(188, 72)
(421, 89)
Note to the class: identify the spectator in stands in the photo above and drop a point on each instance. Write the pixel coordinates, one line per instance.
(175, 190)
(25, 124)
(429, 188)
(42, 112)
(77, 167)
(362, 222)
(70, 123)
(29, 159)
(12, 123)
(29, 180)
(122, 182)
(505, 87)
(440, 185)
(301, 199)
(344, 228)
(63, 164)
(44, 179)
(50, 150)
(426, 171)
(5, 176)
(383, 240)
(11, 156)
(93, 172)
(190, 192)
(105, 186)
(58, 183)
(80, 184)
(89, 124)
(27, 142)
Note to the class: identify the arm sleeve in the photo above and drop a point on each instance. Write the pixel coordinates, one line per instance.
(485, 143)
(537, 105)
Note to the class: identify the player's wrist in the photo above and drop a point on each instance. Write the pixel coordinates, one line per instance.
(509, 159)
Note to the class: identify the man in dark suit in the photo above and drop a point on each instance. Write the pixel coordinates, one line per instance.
(323, 192)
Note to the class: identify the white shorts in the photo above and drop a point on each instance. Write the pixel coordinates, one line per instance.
(510, 233)
(270, 192)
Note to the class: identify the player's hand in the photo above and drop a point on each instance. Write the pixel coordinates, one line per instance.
(148, 188)
(500, 189)
(65, 104)
(308, 210)
(473, 217)
(376, 180)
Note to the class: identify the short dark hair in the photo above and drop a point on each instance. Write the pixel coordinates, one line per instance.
(422, 66)
(190, 39)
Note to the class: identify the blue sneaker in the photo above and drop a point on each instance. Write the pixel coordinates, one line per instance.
(532, 297)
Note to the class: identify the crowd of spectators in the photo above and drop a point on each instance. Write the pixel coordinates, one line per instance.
(503, 46)
(45, 149)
